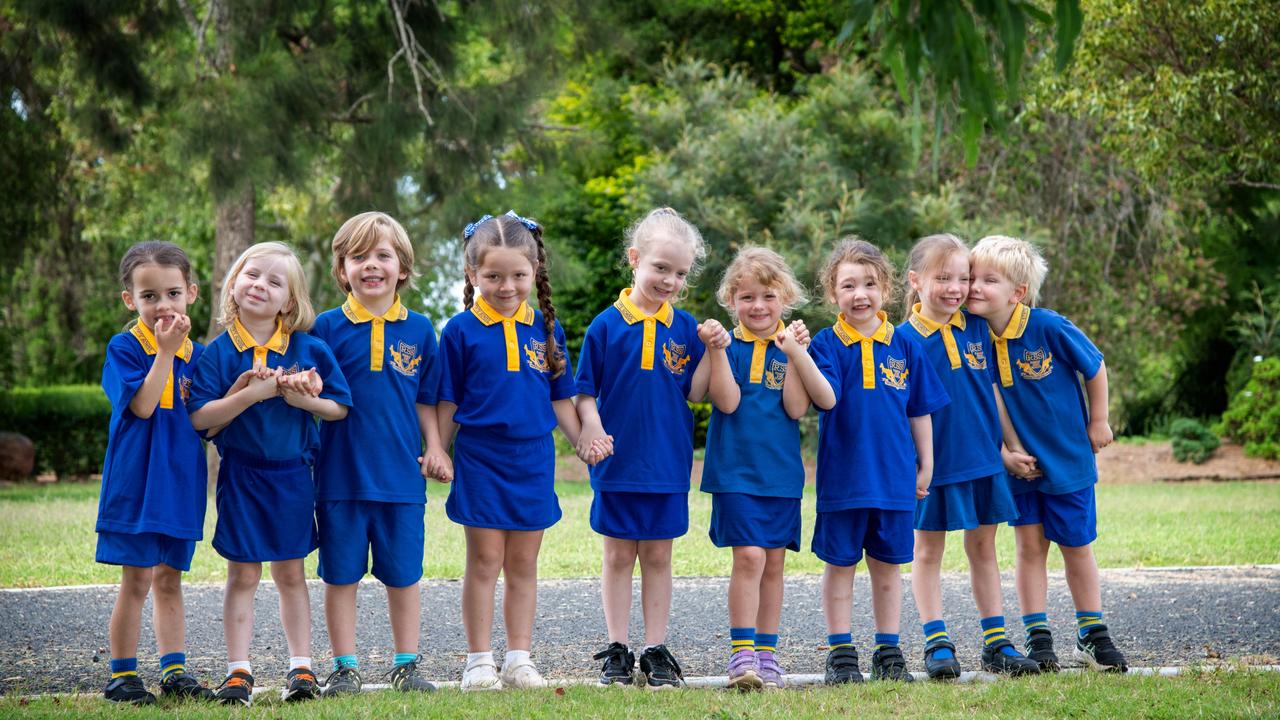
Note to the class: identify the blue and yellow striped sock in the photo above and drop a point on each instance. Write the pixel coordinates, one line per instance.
(123, 666)
(742, 638)
(766, 642)
(936, 631)
(884, 640)
(171, 663)
(1086, 620)
(839, 640)
(348, 661)
(402, 658)
(1035, 621)
(993, 632)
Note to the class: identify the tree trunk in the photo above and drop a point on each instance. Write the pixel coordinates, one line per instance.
(233, 234)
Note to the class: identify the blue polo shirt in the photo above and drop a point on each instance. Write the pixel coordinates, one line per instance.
(966, 433)
(639, 368)
(1036, 363)
(391, 365)
(271, 429)
(494, 368)
(153, 476)
(866, 456)
(755, 450)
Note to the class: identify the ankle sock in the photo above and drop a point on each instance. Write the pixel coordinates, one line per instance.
(347, 661)
(474, 659)
(936, 631)
(402, 658)
(742, 638)
(123, 666)
(170, 663)
(1035, 621)
(1086, 620)
(766, 642)
(884, 640)
(993, 631)
(836, 640)
(235, 665)
(514, 656)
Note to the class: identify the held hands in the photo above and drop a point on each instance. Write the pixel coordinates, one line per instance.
(437, 466)
(592, 448)
(713, 335)
(170, 332)
(1020, 464)
(262, 382)
(1100, 434)
(299, 387)
(924, 476)
(792, 339)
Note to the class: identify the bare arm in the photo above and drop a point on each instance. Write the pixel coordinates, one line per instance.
(1095, 389)
(815, 383)
(568, 420)
(922, 434)
(725, 393)
(323, 408)
(219, 413)
(1015, 457)
(435, 461)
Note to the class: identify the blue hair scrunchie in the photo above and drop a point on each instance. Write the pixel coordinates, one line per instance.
(471, 228)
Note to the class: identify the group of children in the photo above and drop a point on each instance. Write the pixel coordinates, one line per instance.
(954, 419)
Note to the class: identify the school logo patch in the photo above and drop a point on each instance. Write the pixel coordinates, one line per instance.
(774, 376)
(292, 369)
(974, 356)
(1035, 365)
(535, 354)
(405, 358)
(895, 374)
(675, 356)
(184, 388)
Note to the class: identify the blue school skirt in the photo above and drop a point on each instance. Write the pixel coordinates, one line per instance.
(966, 505)
(502, 483)
(640, 516)
(741, 520)
(144, 550)
(266, 509)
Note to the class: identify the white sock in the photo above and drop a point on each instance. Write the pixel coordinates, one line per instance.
(300, 661)
(514, 656)
(239, 665)
(647, 648)
(474, 659)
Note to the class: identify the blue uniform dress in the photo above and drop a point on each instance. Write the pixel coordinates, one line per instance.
(151, 509)
(640, 368)
(866, 480)
(753, 468)
(1038, 359)
(969, 486)
(370, 494)
(494, 368)
(266, 494)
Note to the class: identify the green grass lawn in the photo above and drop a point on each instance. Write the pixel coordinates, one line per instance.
(47, 538)
(1241, 694)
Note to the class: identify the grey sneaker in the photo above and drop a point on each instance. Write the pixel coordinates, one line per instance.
(405, 678)
(344, 680)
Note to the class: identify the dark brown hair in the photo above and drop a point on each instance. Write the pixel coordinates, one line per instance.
(153, 252)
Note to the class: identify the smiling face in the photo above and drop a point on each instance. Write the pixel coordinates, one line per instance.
(374, 274)
(158, 292)
(859, 293)
(757, 306)
(991, 294)
(660, 272)
(942, 289)
(504, 278)
(261, 289)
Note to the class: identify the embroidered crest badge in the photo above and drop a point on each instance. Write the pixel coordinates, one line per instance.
(675, 357)
(405, 358)
(974, 356)
(895, 374)
(1035, 365)
(184, 388)
(535, 354)
(774, 376)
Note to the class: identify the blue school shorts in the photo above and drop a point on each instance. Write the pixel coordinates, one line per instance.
(741, 520)
(640, 516)
(351, 529)
(840, 537)
(144, 550)
(966, 505)
(266, 509)
(502, 483)
(1071, 519)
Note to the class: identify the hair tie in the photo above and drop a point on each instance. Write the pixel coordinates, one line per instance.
(471, 229)
(531, 225)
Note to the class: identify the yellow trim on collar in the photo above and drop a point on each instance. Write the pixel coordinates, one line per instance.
(357, 314)
(632, 315)
(1017, 325)
(928, 327)
(848, 334)
(147, 340)
(243, 340)
(487, 315)
(758, 351)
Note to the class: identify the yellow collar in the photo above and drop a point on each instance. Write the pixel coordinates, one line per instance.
(489, 316)
(761, 346)
(848, 334)
(357, 313)
(147, 340)
(243, 340)
(633, 314)
(742, 333)
(1017, 325)
(927, 327)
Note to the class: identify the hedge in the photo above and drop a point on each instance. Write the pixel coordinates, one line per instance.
(67, 423)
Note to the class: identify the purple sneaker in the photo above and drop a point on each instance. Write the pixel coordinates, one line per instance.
(742, 671)
(771, 674)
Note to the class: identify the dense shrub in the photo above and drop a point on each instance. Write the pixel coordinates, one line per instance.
(67, 423)
(1253, 416)
(1192, 441)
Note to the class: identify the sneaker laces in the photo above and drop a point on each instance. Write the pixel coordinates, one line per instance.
(342, 671)
(239, 678)
(665, 657)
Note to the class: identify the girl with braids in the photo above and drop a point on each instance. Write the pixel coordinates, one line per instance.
(505, 383)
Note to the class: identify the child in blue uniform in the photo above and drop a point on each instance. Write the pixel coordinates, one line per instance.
(151, 510)
(641, 361)
(1038, 355)
(263, 423)
(505, 384)
(875, 454)
(370, 495)
(753, 467)
(969, 491)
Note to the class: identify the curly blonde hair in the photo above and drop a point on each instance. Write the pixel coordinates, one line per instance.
(765, 267)
(853, 249)
(298, 314)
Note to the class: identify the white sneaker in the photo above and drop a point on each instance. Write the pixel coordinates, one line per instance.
(481, 675)
(522, 674)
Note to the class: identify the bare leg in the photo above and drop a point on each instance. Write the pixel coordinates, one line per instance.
(984, 571)
(237, 607)
(744, 586)
(655, 589)
(769, 615)
(520, 593)
(485, 550)
(340, 617)
(615, 586)
(405, 607)
(886, 595)
(1031, 573)
(1082, 577)
(167, 615)
(926, 574)
(295, 605)
(126, 616)
(837, 597)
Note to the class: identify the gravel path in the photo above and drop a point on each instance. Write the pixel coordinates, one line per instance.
(54, 640)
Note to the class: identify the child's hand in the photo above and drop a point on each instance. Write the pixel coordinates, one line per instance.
(437, 465)
(1020, 464)
(263, 384)
(170, 332)
(798, 330)
(924, 476)
(241, 382)
(601, 448)
(590, 445)
(1100, 434)
(309, 382)
(713, 335)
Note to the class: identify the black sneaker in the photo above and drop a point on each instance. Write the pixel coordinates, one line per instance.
(300, 684)
(405, 678)
(994, 660)
(343, 680)
(1097, 651)
(128, 689)
(237, 688)
(619, 663)
(887, 663)
(660, 668)
(180, 684)
(941, 668)
(1040, 648)
(842, 666)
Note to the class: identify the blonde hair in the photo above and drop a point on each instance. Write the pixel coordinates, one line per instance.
(853, 249)
(1018, 260)
(298, 313)
(361, 233)
(927, 255)
(666, 223)
(765, 267)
